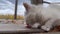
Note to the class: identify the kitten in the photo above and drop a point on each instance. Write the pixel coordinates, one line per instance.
(47, 17)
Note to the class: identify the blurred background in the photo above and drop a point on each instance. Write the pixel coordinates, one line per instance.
(7, 8)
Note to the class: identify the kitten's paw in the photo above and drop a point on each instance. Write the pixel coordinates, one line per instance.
(45, 28)
(36, 25)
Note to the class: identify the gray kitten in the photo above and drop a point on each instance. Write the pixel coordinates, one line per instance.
(44, 16)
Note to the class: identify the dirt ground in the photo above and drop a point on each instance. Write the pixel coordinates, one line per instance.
(56, 29)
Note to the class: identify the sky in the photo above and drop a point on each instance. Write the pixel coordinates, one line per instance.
(7, 6)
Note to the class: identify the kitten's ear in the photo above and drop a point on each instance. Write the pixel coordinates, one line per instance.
(27, 7)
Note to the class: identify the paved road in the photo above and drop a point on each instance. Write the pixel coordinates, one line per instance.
(8, 28)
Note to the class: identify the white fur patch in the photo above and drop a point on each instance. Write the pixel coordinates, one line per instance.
(45, 28)
(35, 25)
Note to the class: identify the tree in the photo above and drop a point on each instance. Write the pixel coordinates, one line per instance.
(36, 2)
(15, 15)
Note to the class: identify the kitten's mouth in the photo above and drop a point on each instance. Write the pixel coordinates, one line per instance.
(35, 26)
(28, 26)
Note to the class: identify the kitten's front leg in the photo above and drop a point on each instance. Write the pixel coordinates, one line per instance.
(36, 25)
(48, 25)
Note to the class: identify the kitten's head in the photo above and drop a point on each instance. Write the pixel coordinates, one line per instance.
(32, 14)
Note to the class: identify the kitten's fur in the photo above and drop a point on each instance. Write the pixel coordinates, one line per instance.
(46, 16)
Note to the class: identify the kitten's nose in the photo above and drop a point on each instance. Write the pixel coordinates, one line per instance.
(29, 26)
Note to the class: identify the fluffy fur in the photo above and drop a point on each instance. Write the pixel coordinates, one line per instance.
(46, 16)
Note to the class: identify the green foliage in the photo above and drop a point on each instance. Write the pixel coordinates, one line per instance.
(10, 17)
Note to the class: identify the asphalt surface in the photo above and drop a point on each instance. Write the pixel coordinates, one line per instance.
(13, 28)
